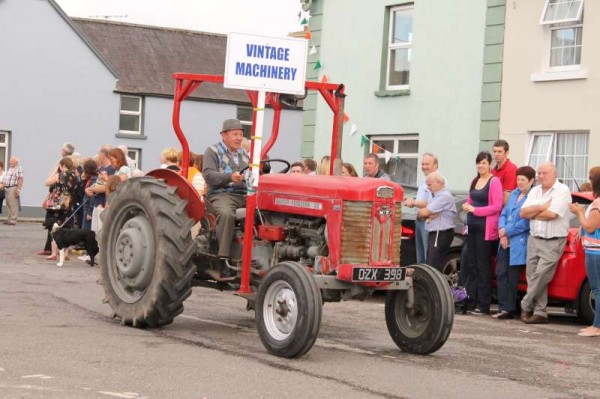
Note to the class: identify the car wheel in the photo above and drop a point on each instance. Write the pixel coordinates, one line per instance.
(451, 268)
(586, 309)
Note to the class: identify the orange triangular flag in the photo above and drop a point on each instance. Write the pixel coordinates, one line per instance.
(308, 35)
(346, 117)
(324, 78)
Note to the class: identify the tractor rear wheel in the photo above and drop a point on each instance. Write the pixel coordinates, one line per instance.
(146, 254)
(424, 327)
(288, 310)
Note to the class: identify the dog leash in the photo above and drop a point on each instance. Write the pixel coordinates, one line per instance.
(73, 214)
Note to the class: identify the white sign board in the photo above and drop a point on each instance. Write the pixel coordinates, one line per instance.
(272, 64)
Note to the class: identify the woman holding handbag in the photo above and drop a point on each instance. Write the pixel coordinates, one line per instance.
(58, 204)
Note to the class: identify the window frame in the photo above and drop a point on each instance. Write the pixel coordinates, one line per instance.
(138, 113)
(548, 56)
(560, 21)
(245, 123)
(551, 154)
(6, 146)
(137, 152)
(396, 46)
(396, 138)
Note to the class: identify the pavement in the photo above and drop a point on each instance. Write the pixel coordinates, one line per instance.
(57, 340)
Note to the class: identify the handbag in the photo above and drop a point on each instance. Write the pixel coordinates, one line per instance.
(56, 201)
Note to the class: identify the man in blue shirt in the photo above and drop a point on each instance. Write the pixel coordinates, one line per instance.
(440, 217)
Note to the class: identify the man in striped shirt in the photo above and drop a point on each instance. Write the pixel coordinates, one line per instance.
(12, 183)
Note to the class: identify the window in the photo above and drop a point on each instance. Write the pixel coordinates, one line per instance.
(4, 148)
(567, 150)
(399, 47)
(402, 157)
(558, 11)
(244, 115)
(130, 119)
(564, 21)
(136, 155)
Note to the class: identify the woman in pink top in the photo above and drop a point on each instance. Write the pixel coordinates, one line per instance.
(483, 208)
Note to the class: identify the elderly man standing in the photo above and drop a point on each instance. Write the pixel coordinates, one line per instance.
(547, 206)
(12, 184)
(440, 218)
(429, 164)
(371, 167)
(226, 187)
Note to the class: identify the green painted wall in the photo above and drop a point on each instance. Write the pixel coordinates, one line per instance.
(444, 105)
(492, 73)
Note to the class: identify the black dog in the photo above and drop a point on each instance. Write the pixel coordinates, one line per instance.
(65, 238)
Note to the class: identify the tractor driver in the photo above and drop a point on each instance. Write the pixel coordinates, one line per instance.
(226, 186)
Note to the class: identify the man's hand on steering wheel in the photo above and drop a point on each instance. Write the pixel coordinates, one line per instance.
(284, 170)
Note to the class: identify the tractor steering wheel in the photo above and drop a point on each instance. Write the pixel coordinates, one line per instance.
(283, 161)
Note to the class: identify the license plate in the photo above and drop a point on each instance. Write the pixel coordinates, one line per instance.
(378, 274)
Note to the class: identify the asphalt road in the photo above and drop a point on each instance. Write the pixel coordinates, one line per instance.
(57, 340)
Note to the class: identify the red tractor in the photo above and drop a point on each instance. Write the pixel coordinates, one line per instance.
(301, 241)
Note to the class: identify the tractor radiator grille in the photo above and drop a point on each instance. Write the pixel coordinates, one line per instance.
(357, 233)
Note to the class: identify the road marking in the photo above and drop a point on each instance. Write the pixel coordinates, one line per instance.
(218, 323)
(40, 376)
(126, 395)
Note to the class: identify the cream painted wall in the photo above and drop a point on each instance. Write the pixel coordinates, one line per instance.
(551, 105)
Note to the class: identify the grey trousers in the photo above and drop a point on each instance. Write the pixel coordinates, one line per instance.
(225, 205)
(12, 204)
(542, 259)
(421, 237)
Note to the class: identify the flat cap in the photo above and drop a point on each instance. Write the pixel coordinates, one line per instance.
(231, 124)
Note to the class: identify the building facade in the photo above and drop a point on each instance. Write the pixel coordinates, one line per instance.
(94, 83)
(413, 72)
(549, 89)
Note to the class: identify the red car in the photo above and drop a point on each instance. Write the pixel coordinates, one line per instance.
(569, 287)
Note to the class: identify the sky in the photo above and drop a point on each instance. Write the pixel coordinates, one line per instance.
(262, 17)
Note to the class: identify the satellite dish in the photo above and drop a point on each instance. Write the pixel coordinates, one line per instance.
(306, 5)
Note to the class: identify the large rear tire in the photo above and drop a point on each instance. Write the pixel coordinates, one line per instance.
(146, 253)
(425, 327)
(288, 310)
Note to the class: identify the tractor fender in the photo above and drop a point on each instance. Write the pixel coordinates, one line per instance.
(195, 206)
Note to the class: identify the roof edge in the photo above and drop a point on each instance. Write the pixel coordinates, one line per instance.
(82, 36)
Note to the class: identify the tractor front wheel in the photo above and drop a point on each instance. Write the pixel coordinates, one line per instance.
(288, 310)
(423, 326)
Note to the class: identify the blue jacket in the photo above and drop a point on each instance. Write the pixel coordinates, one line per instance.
(517, 228)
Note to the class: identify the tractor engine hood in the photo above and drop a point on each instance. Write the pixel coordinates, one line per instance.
(330, 187)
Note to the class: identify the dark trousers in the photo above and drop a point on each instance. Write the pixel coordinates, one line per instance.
(437, 248)
(508, 281)
(225, 205)
(479, 268)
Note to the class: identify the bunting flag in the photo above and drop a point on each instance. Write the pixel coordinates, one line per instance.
(304, 21)
(313, 50)
(318, 66)
(353, 129)
(346, 117)
(388, 155)
(308, 35)
(363, 141)
(324, 78)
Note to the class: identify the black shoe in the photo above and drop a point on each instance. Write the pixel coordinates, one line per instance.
(503, 315)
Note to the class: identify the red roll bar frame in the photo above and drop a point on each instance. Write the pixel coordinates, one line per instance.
(333, 94)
